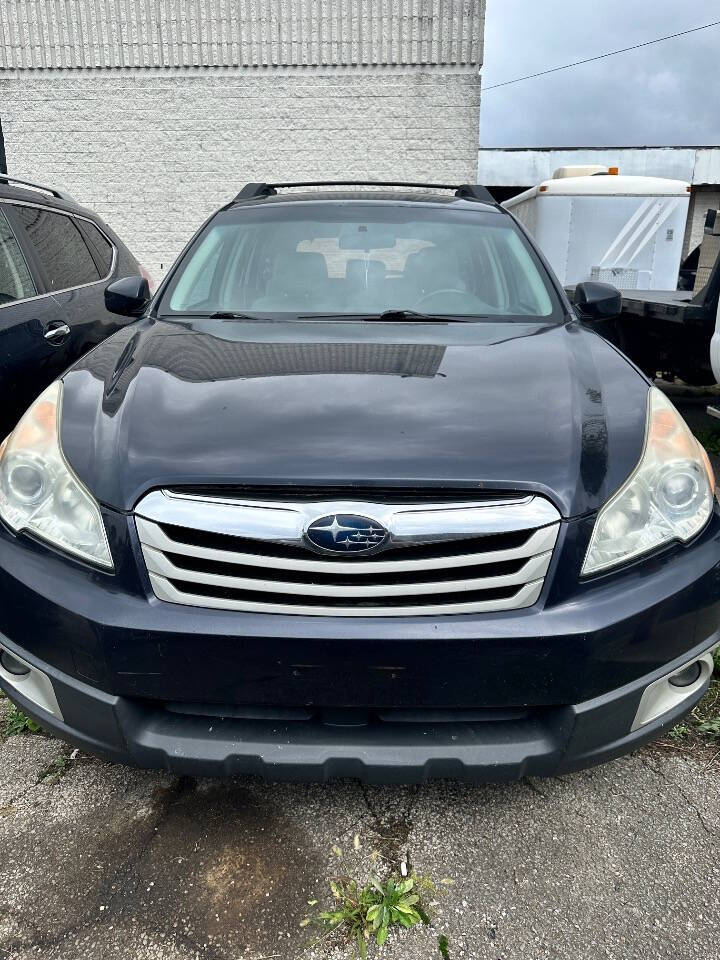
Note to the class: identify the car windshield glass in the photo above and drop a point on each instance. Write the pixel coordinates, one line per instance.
(354, 259)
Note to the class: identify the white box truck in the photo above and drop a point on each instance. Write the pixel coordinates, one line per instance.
(593, 224)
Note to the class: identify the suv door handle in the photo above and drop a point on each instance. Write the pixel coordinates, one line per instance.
(57, 332)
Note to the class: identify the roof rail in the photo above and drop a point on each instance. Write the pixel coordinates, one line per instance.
(469, 191)
(60, 194)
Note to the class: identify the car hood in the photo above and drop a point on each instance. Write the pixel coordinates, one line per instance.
(511, 406)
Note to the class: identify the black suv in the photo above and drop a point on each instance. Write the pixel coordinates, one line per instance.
(55, 261)
(362, 495)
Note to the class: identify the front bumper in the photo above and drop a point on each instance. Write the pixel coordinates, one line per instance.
(543, 690)
(499, 745)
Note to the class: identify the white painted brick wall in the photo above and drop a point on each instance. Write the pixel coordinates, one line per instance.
(175, 33)
(155, 153)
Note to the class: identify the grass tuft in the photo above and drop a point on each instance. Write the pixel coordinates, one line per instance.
(702, 724)
(370, 912)
(18, 722)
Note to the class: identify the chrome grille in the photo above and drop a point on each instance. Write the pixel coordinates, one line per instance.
(251, 555)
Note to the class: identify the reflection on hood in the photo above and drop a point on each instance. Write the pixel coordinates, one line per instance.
(552, 409)
(196, 358)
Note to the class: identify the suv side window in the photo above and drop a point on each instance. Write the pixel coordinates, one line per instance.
(60, 247)
(15, 280)
(99, 245)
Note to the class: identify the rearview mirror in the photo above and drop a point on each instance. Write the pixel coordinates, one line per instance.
(597, 301)
(364, 236)
(128, 296)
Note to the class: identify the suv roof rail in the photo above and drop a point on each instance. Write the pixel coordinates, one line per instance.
(53, 191)
(469, 191)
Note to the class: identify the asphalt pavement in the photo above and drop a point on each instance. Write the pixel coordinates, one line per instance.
(104, 861)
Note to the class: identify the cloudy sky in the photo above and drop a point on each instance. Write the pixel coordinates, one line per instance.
(666, 94)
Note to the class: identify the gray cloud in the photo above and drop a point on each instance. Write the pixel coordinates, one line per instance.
(667, 94)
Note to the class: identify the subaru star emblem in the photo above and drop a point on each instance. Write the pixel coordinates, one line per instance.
(346, 533)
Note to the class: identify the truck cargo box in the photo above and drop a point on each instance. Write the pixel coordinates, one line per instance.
(628, 231)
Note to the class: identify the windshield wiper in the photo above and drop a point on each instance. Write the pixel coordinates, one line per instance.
(386, 316)
(229, 315)
(408, 315)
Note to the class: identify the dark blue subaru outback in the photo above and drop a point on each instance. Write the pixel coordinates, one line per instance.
(361, 494)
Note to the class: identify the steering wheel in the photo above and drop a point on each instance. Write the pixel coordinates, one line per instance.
(6, 297)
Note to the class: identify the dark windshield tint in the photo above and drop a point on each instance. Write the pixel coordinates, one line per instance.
(350, 258)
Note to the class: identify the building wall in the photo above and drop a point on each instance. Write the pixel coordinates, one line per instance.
(513, 166)
(156, 154)
(154, 114)
(702, 199)
(246, 33)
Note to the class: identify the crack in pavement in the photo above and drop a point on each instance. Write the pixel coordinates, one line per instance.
(673, 783)
(16, 798)
(169, 796)
(533, 787)
(391, 847)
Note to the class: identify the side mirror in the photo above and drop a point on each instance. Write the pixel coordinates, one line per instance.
(597, 301)
(128, 296)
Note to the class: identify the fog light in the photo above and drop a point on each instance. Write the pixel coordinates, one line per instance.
(34, 685)
(688, 676)
(671, 691)
(14, 666)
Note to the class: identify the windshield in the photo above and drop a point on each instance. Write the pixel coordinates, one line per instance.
(338, 259)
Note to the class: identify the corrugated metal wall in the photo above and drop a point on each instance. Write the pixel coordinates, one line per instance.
(247, 33)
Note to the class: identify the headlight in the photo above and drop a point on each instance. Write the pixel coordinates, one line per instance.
(40, 493)
(668, 497)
